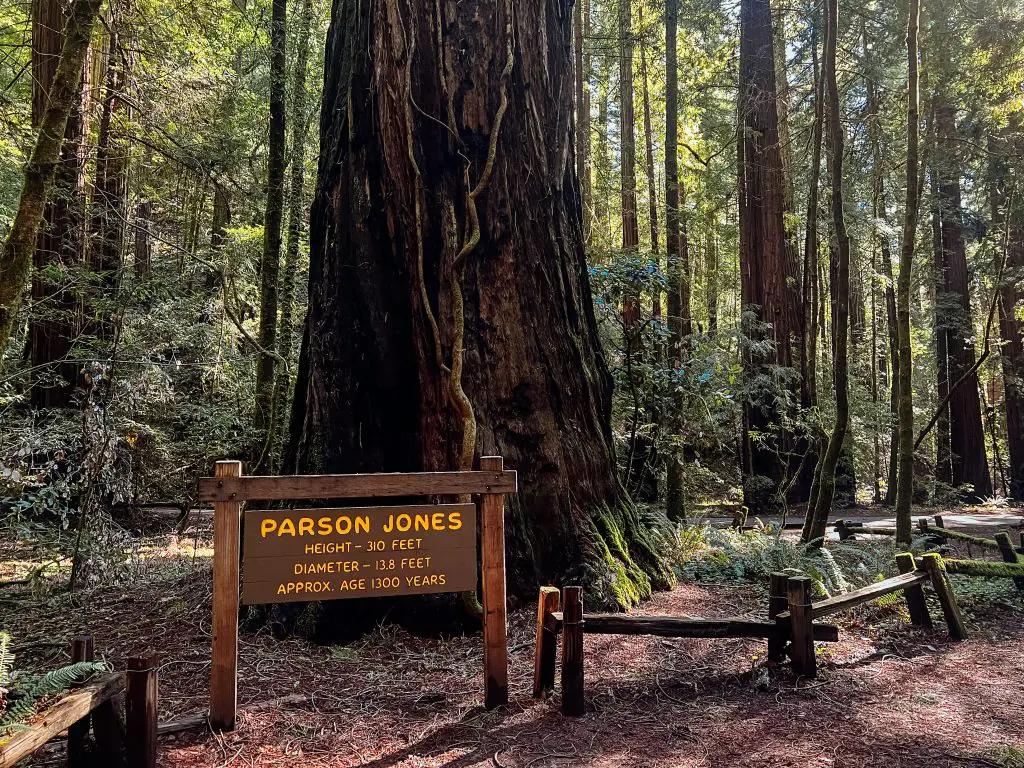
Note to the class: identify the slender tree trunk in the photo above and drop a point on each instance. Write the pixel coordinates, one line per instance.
(143, 261)
(1011, 353)
(110, 184)
(602, 167)
(674, 500)
(809, 317)
(451, 235)
(640, 476)
(905, 476)
(652, 194)
(16, 257)
(581, 30)
(270, 263)
(889, 366)
(940, 332)
(627, 137)
(296, 208)
(711, 288)
(841, 320)
(894, 358)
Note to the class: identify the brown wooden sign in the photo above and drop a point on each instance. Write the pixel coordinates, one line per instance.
(326, 554)
(333, 554)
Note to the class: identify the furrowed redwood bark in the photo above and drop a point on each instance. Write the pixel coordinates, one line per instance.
(968, 459)
(410, 128)
(61, 242)
(16, 257)
(768, 275)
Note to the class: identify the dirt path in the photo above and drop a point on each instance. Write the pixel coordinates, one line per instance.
(887, 695)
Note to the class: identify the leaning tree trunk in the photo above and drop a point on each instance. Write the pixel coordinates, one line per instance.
(768, 275)
(16, 256)
(449, 304)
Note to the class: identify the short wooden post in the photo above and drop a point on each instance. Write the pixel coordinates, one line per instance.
(1009, 555)
(572, 651)
(938, 522)
(492, 558)
(82, 649)
(801, 626)
(944, 590)
(224, 675)
(778, 600)
(843, 530)
(544, 654)
(916, 605)
(140, 711)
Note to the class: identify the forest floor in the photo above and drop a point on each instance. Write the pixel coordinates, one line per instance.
(887, 694)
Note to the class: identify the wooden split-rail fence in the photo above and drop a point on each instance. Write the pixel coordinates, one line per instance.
(1012, 555)
(792, 628)
(127, 743)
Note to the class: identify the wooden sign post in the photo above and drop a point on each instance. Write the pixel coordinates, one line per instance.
(345, 552)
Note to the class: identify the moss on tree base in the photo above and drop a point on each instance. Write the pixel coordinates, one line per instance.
(622, 565)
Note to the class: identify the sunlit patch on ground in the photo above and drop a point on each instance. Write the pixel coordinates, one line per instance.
(886, 695)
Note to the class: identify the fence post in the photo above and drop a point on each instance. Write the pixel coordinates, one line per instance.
(778, 600)
(801, 626)
(940, 583)
(914, 595)
(544, 655)
(492, 559)
(1009, 555)
(140, 712)
(224, 674)
(82, 649)
(572, 651)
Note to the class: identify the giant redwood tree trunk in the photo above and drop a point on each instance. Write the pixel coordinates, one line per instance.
(768, 274)
(966, 431)
(430, 124)
(52, 327)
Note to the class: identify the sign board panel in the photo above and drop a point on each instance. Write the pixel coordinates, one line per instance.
(332, 554)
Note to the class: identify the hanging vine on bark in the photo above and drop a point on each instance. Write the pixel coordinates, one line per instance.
(453, 373)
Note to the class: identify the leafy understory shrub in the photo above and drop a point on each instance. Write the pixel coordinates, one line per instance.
(708, 553)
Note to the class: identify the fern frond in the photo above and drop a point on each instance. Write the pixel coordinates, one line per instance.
(6, 659)
(24, 705)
